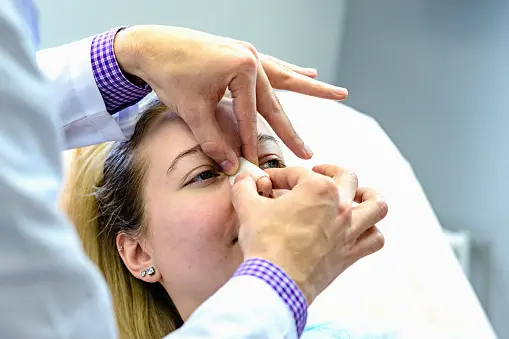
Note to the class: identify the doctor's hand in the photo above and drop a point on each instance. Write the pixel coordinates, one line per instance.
(312, 232)
(190, 71)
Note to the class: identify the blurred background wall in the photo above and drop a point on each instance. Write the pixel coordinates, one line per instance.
(434, 73)
(302, 32)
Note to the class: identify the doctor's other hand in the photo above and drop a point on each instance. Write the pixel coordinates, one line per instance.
(190, 72)
(312, 232)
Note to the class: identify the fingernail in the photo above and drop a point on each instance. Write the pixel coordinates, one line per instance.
(342, 92)
(227, 167)
(308, 151)
(312, 70)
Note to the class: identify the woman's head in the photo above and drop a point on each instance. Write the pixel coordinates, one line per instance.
(158, 201)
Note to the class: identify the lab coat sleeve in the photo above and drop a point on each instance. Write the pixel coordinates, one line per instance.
(48, 287)
(82, 114)
(246, 307)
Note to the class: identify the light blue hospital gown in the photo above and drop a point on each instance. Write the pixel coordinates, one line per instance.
(326, 330)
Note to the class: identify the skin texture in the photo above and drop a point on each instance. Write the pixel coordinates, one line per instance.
(190, 71)
(192, 225)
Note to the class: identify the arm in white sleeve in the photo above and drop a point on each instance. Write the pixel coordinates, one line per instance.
(93, 98)
(48, 287)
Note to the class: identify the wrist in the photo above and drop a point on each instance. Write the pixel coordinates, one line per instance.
(295, 275)
(281, 283)
(128, 51)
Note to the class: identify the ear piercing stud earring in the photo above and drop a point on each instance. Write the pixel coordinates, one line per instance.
(150, 271)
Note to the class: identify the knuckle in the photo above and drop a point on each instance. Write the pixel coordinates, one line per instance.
(248, 62)
(285, 76)
(344, 207)
(325, 186)
(250, 47)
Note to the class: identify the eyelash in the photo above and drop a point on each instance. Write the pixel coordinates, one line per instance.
(216, 173)
(280, 163)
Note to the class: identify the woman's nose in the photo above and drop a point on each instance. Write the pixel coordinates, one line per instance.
(264, 186)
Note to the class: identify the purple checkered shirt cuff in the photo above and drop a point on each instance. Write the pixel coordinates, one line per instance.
(117, 92)
(282, 284)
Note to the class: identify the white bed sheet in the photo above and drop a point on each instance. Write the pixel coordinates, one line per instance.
(415, 282)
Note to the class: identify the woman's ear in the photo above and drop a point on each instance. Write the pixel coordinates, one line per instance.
(137, 260)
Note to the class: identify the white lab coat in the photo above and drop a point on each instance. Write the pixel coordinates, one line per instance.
(48, 287)
(82, 113)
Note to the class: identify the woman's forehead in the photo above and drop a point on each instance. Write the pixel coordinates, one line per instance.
(171, 129)
(263, 126)
(226, 120)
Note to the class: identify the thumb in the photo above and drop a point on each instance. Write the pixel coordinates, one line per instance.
(244, 195)
(201, 119)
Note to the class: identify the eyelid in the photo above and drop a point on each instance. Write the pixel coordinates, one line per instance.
(269, 157)
(188, 179)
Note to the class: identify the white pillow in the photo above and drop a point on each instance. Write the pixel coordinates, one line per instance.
(415, 280)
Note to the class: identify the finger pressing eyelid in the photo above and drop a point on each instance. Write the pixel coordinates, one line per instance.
(289, 177)
(243, 91)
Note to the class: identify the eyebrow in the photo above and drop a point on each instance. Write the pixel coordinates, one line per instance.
(197, 149)
(265, 137)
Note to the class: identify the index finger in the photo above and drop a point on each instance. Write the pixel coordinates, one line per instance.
(289, 177)
(201, 120)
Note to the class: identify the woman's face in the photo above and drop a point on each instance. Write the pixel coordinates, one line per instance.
(192, 226)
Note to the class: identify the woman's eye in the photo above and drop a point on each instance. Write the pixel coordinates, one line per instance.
(204, 176)
(273, 163)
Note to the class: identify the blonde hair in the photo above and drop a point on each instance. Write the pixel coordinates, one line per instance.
(103, 196)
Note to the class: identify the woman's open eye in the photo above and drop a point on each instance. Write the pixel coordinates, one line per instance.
(204, 176)
(272, 163)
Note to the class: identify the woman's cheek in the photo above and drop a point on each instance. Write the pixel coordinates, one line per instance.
(208, 214)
